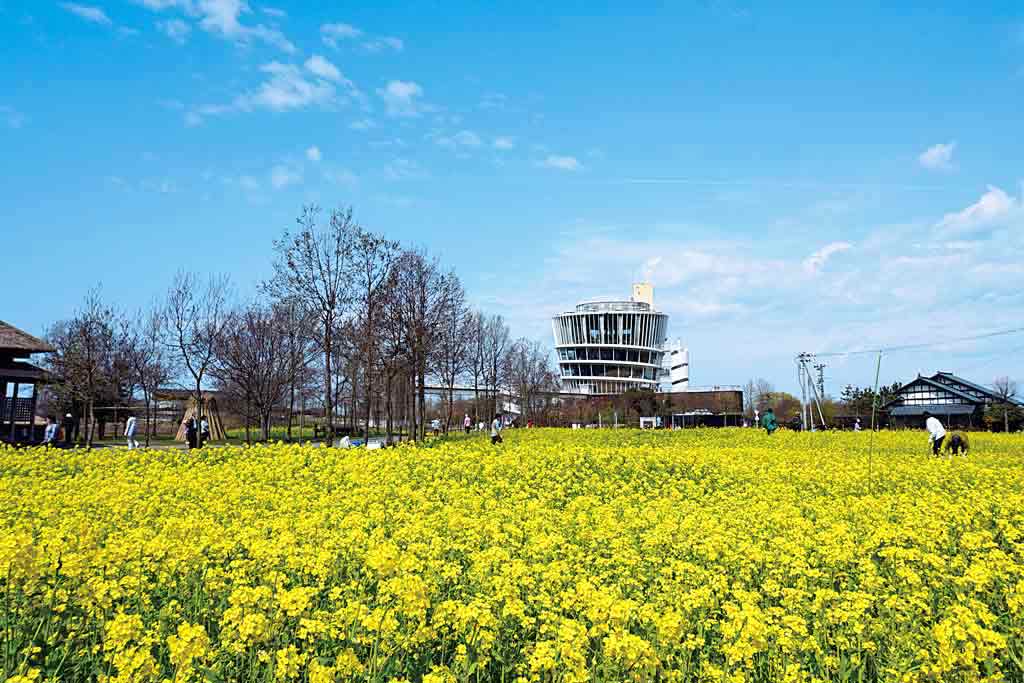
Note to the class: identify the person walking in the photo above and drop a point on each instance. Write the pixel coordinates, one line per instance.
(496, 429)
(856, 425)
(936, 432)
(129, 432)
(50, 433)
(204, 431)
(191, 432)
(467, 423)
(768, 422)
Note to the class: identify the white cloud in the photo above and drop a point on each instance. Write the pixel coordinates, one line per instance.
(331, 34)
(401, 98)
(562, 163)
(247, 182)
(275, 12)
(323, 68)
(282, 176)
(384, 43)
(334, 34)
(340, 176)
(362, 124)
(175, 29)
(401, 169)
(504, 143)
(464, 138)
(87, 12)
(159, 186)
(938, 157)
(223, 18)
(816, 261)
(993, 206)
(11, 116)
(495, 100)
(313, 153)
(287, 89)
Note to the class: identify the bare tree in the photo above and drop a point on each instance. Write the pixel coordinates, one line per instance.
(496, 344)
(299, 324)
(85, 363)
(476, 339)
(531, 377)
(451, 351)
(143, 350)
(252, 359)
(314, 268)
(194, 317)
(371, 270)
(757, 394)
(396, 363)
(422, 299)
(1006, 389)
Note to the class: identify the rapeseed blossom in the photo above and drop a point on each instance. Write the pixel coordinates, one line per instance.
(570, 556)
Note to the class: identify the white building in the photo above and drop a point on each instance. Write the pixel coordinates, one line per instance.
(611, 346)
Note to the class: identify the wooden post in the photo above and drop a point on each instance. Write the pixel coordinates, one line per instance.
(14, 406)
(32, 415)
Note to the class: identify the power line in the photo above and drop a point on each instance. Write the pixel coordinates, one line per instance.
(993, 358)
(924, 345)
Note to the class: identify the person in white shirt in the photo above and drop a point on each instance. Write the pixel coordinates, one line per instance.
(129, 432)
(936, 432)
(50, 435)
(496, 430)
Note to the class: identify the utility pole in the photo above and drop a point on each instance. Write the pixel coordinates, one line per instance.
(820, 367)
(810, 396)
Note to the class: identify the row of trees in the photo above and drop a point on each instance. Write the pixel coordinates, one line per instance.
(354, 322)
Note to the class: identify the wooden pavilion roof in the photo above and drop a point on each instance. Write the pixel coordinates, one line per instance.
(18, 342)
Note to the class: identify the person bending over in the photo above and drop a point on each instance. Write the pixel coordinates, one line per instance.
(957, 444)
(936, 432)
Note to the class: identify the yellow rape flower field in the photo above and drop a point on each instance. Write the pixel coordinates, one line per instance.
(703, 555)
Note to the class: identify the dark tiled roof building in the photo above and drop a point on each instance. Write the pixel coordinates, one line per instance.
(957, 401)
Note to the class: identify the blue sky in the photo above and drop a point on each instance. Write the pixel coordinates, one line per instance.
(789, 176)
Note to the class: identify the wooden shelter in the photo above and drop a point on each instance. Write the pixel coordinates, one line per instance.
(19, 384)
(212, 415)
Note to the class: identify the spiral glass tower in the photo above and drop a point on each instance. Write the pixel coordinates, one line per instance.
(608, 347)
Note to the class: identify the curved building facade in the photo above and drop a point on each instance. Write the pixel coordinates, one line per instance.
(608, 347)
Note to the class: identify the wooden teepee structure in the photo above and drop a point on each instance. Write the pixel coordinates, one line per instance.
(212, 415)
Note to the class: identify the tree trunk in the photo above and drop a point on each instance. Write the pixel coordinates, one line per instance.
(328, 395)
(199, 410)
(451, 400)
(476, 398)
(89, 419)
(291, 407)
(387, 407)
(1006, 418)
(368, 373)
(149, 419)
(422, 397)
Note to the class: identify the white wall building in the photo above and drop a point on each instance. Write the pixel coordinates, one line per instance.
(611, 346)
